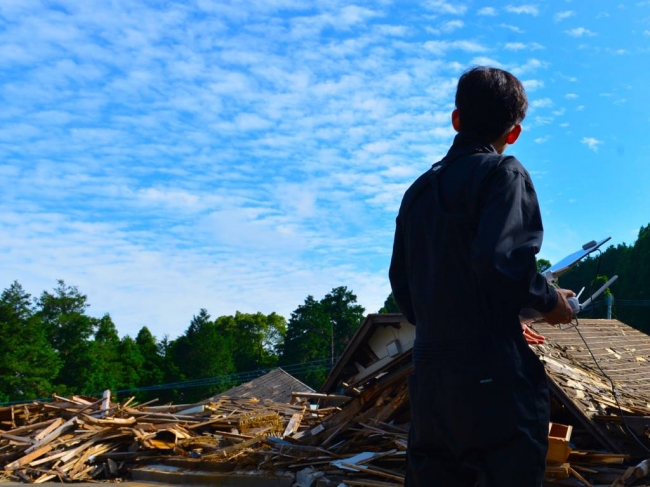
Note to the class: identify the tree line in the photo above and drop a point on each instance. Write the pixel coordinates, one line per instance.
(51, 345)
(631, 292)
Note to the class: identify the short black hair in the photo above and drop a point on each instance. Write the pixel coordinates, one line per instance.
(490, 101)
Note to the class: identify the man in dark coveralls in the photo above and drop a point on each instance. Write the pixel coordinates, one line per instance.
(463, 266)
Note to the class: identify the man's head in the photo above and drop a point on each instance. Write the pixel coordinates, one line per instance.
(490, 102)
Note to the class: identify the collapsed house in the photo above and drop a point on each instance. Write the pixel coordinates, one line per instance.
(353, 431)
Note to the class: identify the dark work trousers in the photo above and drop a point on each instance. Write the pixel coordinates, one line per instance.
(478, 419)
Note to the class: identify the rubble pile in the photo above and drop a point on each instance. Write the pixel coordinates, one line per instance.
(81, 439)
(353, 432)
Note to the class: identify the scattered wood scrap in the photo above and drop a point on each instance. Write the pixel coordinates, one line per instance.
(357, 436)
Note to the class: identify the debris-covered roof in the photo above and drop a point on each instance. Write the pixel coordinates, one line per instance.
(623, 355)
(276, 385)
(380, 341)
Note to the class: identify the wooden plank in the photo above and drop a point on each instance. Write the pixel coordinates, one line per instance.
(17, 439)
(30, 427)
(374, 471)
(293, 424)
(106, 401)
(580, 477)
(55, 424)
(130, 421)
(28, 458)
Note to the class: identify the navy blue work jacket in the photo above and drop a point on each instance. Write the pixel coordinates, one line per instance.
(467, 233)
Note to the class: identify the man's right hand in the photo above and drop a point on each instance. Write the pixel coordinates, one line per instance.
(562, 313)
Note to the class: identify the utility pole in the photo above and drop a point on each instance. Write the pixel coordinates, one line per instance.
(609, 299)
(332, 342)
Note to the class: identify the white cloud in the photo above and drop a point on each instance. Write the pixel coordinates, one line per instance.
(533, 84)
(393, 30)
(540, 121)
(646, 32)
(530, 65)
(523, 9)
(515, 46)
(519, 46)
(444, 7)
(560, 16)
(591, 143)
(230, 155)
(487, 11)
(513, 28)
(542, 140)
(541, 103)
(486, 61)
(579, 32)
(441, 47)
(452, 25)
(571, 96)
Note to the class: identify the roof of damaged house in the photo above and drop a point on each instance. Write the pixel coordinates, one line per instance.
(381, 341)
(581, 381)
(276, 385)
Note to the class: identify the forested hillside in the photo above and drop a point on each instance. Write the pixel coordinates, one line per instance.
(631, 291)
(50, 344)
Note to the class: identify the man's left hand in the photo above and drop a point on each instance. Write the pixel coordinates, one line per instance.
(532, 337)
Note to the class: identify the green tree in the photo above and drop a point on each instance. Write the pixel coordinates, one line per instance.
(308, 340)
(131, 363)
(104, 363)
(390, 306)
(256, 339)
(543, 265)
(319, 331)
(204, 352)
(167, 349)
(29, 363)
(345, 316)
(152, 369)
(70, 332)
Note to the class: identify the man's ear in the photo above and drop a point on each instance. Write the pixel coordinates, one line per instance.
(513, 135)
(455, 120)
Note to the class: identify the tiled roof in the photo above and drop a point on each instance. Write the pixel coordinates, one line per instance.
(623, 354)
(277, 385)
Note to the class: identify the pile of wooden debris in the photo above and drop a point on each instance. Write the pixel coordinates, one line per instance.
(78, 438)
(354, 431)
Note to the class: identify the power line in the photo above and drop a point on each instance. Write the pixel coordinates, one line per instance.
(235, 378)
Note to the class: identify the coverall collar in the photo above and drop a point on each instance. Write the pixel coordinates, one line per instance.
(465, 144)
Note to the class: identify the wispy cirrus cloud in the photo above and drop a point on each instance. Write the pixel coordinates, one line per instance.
(592, 143)
(522, 46)
(444, 7)
(523, 9)
(487, 11)
(513, 28)
(533, 84)
(541, 103)
(441, 47)
(170, 156)
(580, 32)
(566, 14)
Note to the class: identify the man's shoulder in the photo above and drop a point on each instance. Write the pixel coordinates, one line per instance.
(420, 185)
(495, 163)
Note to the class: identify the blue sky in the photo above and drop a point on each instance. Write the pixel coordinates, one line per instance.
(240, 155)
